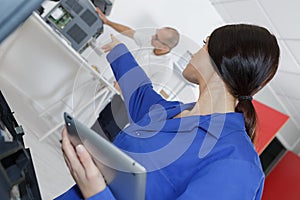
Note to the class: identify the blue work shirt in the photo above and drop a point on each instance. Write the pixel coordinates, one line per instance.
(206, 157)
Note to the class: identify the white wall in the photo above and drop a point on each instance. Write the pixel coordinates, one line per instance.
(195, 20)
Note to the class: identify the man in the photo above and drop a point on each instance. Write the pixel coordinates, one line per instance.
(154, 51)
(153, 55)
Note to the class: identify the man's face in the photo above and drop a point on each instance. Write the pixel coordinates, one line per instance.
(158, 39)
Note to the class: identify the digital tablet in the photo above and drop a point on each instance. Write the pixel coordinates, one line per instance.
(125, 177)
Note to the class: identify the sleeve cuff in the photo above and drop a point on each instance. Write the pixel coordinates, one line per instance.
(104, 194)
(116, 52)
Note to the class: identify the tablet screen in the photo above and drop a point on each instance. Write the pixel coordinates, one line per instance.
(125, 177)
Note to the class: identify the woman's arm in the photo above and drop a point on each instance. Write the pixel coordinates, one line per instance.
(136, 87)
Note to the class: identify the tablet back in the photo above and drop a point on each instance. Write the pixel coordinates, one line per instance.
(125, 177)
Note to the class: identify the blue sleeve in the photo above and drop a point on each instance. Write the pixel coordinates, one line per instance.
(136, 87)
(75, 194)
(226, 180)
(103, 195)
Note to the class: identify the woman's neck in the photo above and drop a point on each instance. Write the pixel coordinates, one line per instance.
(213, 98)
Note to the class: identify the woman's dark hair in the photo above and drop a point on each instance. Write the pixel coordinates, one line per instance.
(246, 58)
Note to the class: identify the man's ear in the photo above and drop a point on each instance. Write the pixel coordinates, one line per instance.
(162, 51)
(166, 49)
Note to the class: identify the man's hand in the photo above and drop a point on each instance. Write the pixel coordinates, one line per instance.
(102, 16)
(125, 30)
(83, 169)
(114, 42)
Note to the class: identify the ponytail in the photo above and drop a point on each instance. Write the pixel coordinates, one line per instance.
(246, 107)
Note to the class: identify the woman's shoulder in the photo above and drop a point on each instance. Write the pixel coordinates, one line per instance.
(238, 146)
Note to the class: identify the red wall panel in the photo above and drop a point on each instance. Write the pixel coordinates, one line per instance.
(269, 123)
(283, 182)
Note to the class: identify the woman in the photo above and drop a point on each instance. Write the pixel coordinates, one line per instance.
(201, 150)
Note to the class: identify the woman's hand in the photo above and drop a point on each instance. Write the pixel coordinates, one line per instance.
(83, 169)
(109, 46)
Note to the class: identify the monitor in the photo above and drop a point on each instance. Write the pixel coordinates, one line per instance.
(75, 20)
